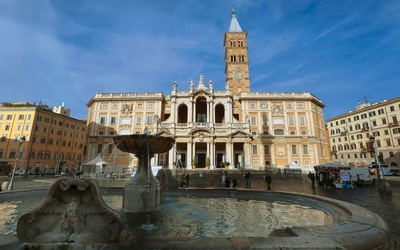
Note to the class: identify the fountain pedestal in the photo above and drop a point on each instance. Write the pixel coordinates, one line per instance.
(142, 192)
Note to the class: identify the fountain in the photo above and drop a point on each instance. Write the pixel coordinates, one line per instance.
(142, 192)
(74, 215)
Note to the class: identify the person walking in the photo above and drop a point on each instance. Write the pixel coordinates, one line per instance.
(268, 179)
(312, 178)
(187, 179)
(247, 177)
(223, 177)
(321, 179)
(234, 182)
(36, 172)
(227, 182)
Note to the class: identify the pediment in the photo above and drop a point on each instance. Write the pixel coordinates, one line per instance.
(205, 132)
(240, 134)
(202, 132)
(164, 132)
(201, 92)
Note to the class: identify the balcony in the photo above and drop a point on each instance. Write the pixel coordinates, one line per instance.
(393, 124)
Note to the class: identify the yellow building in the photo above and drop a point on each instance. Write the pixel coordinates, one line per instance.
(253, 130)
(52, 140)
(350, 133)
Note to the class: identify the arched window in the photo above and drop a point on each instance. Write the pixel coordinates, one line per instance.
(182, 113)
(201, 109)
(279, 132)
(219, 113)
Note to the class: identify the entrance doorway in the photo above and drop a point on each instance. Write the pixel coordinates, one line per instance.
(201, 160)
(237, 160)
(220, 158)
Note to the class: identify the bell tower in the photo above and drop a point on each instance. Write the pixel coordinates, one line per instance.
(236, 58)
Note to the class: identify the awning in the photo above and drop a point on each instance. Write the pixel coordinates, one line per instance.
(293, 164)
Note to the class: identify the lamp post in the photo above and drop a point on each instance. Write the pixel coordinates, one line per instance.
(382, 185)
(11, 185)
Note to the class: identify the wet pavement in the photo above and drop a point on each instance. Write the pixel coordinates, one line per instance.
(387, 206)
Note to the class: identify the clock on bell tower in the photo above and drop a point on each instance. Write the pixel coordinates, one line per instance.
(236, 58)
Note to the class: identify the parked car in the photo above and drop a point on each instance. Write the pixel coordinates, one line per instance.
(17, 172)
(48, 172)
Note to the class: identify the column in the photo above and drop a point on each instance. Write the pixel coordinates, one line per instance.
(248, 154)
(171, 158)
(272, 153)
(229, 153)
(193, 150)
(228, 112)
(189, 155)
(190, 112)
(211, 121)
(209, 112)
(212, 154)
(208, 152)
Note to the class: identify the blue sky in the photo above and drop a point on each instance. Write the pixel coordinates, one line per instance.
(66, 51)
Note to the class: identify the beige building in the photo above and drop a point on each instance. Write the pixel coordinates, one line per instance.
(232, 125)
(350, 134)
(52, 139)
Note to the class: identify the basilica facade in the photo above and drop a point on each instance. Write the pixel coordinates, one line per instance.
(230, 127)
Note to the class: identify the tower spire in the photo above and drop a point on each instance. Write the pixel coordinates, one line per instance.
(235, 27)
(236, 58)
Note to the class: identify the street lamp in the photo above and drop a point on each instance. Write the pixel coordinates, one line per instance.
(381, 181)
(11, 185)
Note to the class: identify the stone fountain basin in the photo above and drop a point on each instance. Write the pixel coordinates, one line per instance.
(143, 144)
(353, 227)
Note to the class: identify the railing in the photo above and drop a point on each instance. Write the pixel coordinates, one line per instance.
(207, 125)
(119, 95)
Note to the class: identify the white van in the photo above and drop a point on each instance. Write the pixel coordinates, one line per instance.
(360, 176)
